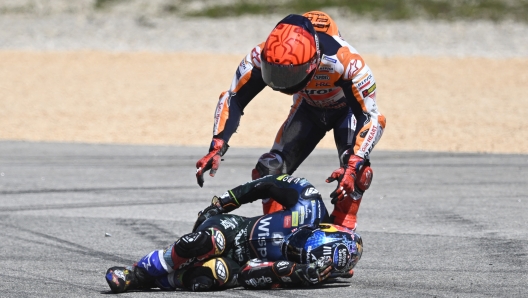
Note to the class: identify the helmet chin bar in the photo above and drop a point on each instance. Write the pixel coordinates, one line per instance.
(298, 87)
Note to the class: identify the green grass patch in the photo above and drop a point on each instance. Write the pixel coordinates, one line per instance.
(104, 4)
(495, 10)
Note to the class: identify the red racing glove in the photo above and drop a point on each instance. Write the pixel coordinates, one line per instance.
(211, 161)
(346, 176)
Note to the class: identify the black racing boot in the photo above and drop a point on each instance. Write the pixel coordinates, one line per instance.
(122, 279)
(348, 274)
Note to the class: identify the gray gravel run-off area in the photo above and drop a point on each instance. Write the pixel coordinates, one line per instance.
(56, 25)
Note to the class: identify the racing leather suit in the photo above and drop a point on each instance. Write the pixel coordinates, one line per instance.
(340, 97)
(259, 239)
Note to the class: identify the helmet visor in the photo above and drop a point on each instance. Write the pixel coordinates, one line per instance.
(280, 77)
(294, 246)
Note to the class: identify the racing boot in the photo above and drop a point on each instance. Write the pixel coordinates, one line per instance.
(122, 279)
(345, 213)
(269, 164)
(347, 274)
(269, 205)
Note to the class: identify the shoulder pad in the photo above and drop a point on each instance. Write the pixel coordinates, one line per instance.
(352, 62)
(255, 55)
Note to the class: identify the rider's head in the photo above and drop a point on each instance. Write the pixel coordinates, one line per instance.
(307, 245)
(290, 55)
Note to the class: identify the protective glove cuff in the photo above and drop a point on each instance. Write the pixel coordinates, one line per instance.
(219, 146)
(355, 163)
(226, 202)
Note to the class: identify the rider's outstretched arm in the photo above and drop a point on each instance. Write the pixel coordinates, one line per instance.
(247, 83)
(257, 274)
(359, 87)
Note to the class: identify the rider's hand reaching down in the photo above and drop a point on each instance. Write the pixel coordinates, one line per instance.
(346, 177)
(211, 161)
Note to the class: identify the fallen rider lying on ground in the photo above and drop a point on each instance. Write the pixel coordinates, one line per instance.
(289, 248)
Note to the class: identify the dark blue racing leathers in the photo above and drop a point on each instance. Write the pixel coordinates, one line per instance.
(295, 246)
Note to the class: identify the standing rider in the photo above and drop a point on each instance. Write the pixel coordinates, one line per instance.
(291, 247)
(333, 89)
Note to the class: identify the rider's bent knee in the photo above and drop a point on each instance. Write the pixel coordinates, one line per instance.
(200, 243)
(270, 163)
(364, 178)
(197, 246)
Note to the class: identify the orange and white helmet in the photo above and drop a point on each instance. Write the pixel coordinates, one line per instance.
(290, 55)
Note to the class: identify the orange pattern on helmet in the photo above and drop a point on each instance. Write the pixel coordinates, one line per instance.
(322, 22)
(289, 44)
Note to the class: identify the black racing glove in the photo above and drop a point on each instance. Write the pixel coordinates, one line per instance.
(214, 209)
(316, 272)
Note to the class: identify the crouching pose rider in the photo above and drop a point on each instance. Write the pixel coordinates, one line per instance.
(289, 248)
(333, 89)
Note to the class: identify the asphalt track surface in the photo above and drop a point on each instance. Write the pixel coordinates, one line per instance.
(433, 224)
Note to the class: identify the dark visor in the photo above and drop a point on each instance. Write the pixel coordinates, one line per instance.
(280, 77)
(293, 246)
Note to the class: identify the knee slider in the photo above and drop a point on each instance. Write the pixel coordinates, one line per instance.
(203, 243)
(216, 272)
(364, 178)
(270, 163)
